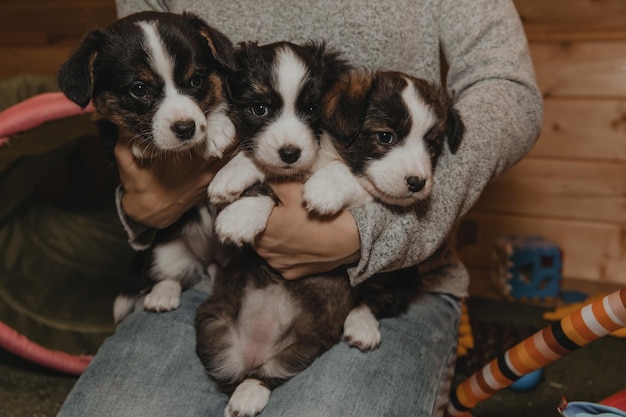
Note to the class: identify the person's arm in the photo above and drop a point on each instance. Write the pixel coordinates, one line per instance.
(126, 7)
(297, 243)
(492, 82)
(154, 193)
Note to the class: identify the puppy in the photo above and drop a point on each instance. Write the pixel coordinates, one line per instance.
(384, 132)
(258, 330)
(275, 95)
(158, 77)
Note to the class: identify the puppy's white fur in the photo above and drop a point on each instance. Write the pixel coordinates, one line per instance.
(249, 399)
(243, 171)
(386, 178)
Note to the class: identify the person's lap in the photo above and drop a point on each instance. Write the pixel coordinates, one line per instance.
(149, 368)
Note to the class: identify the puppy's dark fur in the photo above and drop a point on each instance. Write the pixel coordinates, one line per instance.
(158, 77)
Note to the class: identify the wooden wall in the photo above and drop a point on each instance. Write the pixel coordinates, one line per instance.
(36, 36)
(572, 187)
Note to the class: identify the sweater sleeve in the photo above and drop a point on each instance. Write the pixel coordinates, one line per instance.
(127, 7)
(492, 82)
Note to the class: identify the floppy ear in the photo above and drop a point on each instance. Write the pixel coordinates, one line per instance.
(343, 107)
(75, 77)
(328, 62)
(455, 129)
(221, 47)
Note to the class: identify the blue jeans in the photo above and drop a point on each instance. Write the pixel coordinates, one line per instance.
(149, 368)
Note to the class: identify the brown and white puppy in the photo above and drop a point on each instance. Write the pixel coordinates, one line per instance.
(383, 135)
(384, 132)
(159, 78)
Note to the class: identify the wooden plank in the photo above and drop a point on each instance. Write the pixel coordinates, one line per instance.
(581, 69)
(590, 129)
(589, 248)
(58, 19)
(32, 60)
(559, 34)
(573, 19)
(616, 268)
(567, 34)
(577, 190)
(573, 13)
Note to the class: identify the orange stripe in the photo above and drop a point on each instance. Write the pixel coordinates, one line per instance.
(533, 351)
(497, 375)
(520, 359)
(581, 327)
(601, 315)
(471, 397)
(617, 307)
(482, 383)
(552, 342)
(570, 330)
(461, 395)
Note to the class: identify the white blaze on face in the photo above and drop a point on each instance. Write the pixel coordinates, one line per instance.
(387, 177)
(174, 107)
(287, 129)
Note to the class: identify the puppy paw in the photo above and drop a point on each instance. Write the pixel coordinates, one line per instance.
(361, 329)
(248, 400)
(232, 180)
(241, 221)
(164, 296)
(221, 134)
(320, 198)
(225, 188)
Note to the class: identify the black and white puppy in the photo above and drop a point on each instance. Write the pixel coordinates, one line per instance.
(158, 77)
(275, 95)
(258, 330)
(384, 132)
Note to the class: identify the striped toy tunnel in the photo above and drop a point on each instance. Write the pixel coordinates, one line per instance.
(590, 323)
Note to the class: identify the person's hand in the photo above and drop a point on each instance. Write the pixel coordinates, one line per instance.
(297, 244)
(158, 191)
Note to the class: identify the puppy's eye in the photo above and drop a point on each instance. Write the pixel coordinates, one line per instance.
(260, 110)
(196, 81)
(312, 109)
(139, 90)
(385, 137)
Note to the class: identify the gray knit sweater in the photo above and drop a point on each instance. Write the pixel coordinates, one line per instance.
(490, 77)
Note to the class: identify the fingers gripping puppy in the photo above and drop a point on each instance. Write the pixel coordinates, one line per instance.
(157, 77)
(275, 95)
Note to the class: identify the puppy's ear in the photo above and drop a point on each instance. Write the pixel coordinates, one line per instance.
(344, 106)
(75, 77)
(455, 129)
(328, 61)
(221, 47)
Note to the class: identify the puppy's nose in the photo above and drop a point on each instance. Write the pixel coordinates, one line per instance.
(289, 153)
(415, 184)
(184, 129)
